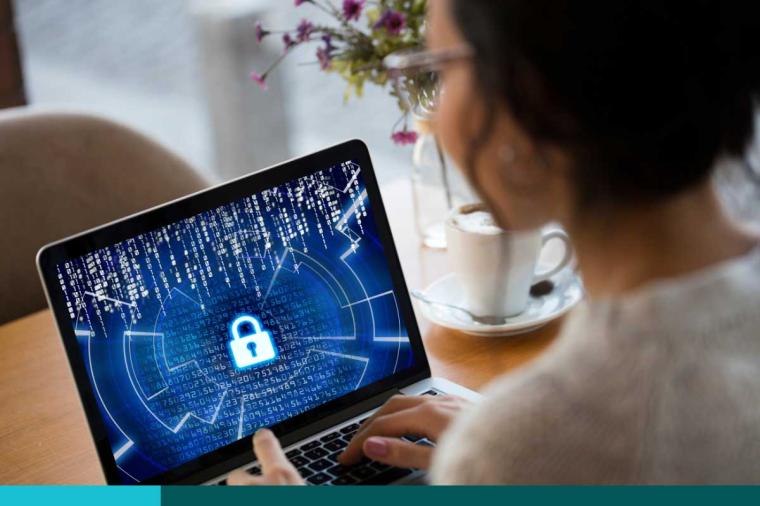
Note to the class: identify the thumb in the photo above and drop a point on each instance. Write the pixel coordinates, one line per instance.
(268, 451)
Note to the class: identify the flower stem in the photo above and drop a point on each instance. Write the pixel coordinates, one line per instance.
(276, 62)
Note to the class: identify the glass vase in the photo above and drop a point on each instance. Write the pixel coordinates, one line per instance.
(436, 187)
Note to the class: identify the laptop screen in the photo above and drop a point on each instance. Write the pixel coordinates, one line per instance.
(198, 333)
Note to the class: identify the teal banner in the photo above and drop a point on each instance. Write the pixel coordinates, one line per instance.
(79, 496)
(459, 496)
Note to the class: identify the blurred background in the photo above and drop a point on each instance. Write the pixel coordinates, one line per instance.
(178, 70)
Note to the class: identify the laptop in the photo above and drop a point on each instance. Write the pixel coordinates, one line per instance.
(275, 300)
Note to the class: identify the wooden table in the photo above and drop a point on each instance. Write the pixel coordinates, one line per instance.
(43, 431)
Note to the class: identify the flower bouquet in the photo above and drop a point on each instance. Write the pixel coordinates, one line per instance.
(365, 32)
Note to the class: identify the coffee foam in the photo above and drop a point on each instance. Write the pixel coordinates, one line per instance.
(477, 222)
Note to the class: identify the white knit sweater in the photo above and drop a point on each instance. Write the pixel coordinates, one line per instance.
(659, 386)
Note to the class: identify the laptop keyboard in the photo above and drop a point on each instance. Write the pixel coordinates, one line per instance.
(317, 461)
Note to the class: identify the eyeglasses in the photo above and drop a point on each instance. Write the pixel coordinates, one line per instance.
(416, 82)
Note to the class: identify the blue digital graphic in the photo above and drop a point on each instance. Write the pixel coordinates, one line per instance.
(295, 273)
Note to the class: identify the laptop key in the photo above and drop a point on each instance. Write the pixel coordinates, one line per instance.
(391, 475)
(316, 453)
(346, 479)
(379, 466)
(336, 445)
(339, 470)
(255, 470)
(311, 445)
(430, 392)
(320, 465)
(292, 453)
(299, 461)
(329, 437)
(305, 472)
(318, 478)
(363, 472)
(350, 428)
(412, 438)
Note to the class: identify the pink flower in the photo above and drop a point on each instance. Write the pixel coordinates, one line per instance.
(324, 58)
(352, 9)
(288, 41)
(304, 29)
(392, 21)
(404, 137)
(261, 80)
(260, 32)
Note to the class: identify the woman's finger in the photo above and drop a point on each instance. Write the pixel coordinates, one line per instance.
(398, 402)
(275, 466)
(422, 420)
(241, 477)
(397, 452)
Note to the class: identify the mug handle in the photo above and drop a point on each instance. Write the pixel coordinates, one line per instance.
(566, 257)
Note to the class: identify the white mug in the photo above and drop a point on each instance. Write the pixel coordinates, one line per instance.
(495, 267)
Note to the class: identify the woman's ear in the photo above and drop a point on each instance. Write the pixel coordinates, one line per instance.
(523, 170)
(528, 183)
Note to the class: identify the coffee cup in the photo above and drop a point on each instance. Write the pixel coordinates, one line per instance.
(496, 267)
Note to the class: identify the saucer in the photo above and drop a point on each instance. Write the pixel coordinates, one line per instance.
(567, 292)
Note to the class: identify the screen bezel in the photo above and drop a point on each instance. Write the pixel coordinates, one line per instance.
(53, 254)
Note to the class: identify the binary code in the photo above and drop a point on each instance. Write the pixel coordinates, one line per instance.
(152, 316)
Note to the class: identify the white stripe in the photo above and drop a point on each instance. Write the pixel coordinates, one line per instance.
(367, 299)
(343, 219)
(324, 338)
(343, 355)
(130, 333)
(118, 453)
(158, 393)
(391, 339)
(123, 471)
(348, 185)
(103, 297)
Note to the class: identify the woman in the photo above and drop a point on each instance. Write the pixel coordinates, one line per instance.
(607, 117)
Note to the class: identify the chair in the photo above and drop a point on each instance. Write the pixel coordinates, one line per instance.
(61, 173)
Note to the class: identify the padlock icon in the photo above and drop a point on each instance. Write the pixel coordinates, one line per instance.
(253, 348)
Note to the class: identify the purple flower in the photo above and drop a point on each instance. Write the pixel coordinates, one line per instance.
(261, 80)
(392, 21)
(260, 32)
(324, 58)
(403, 137)
(304, 29)
(288, 41)
(352, 9)
(327, 39)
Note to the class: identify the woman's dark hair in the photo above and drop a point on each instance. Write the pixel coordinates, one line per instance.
(644, 95)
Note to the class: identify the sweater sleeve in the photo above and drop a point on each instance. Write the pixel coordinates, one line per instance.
(527, 430)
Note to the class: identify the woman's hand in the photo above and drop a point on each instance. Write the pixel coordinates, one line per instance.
(378, 439)
(422, 415)
(276, 469)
